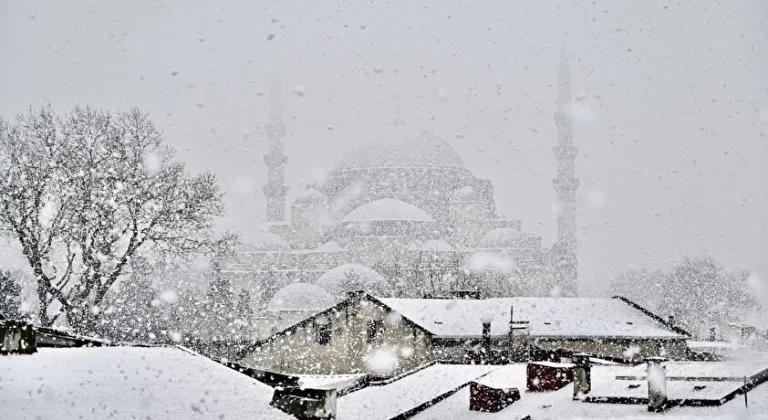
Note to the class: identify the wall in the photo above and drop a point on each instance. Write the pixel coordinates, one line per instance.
(299, 352)
(618, 348)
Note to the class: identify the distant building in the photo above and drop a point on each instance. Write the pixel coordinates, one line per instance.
(404, 206)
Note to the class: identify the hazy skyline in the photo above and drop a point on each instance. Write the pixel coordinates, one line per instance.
(671, 124)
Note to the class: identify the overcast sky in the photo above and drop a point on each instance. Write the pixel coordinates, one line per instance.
(672, 126)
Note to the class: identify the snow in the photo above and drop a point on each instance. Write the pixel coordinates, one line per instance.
(505, 237)
(467, 193)
(490, 262)
(729, 369)
(312, 194)
(301, 297)
(560, 404)
(351, 278)
(387, 401)
(328, 381)
(387, 209)
(128, 382)
(383, 361)
(264, 241)
(509, 376)
(548, 317)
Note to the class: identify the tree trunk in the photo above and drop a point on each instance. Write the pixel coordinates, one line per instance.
(42, 297)
(82, 320)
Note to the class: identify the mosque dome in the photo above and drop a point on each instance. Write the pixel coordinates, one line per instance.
(399, 146)
(301, 297)
(387, 209)
(506, 238)
(330, 246)
(353, 277)
(263, 242)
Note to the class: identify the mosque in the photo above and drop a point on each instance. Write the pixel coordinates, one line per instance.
(401, 216)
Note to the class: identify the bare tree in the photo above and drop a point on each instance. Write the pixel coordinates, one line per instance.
(86, 191)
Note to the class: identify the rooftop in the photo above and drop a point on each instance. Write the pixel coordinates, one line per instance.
(128, 382)
(547, 317)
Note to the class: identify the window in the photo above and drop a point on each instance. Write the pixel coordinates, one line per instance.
(323, 331)
(375, 330)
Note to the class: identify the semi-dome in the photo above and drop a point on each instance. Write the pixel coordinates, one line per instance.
(353, 277)
(301, 297)
(264, 241)
(387, 209)
(506, 238)
(399, 146)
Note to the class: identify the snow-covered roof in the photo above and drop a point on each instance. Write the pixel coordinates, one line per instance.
(128, 382)
(399, 146)
(330, 246)
(432, 245)
(329, 381)
(506, 237)
(264, 241)
(561, 405)
(388, 401)
(304, 297)
(547, 317)
(353, 277)
(490, 261)
(387, 209)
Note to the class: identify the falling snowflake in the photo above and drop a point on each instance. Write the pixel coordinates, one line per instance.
(382, 361)
(169, 296)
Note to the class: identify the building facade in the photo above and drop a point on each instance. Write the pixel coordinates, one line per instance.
(386, 336)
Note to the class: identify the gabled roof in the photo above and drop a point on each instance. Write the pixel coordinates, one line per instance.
(352, 299)
(547, 317)
(543, 317)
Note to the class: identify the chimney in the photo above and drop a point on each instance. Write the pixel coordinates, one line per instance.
(656, 376)
(582, 375)
(487, 340)
(511, 335)
(671, 320)
(306, 404)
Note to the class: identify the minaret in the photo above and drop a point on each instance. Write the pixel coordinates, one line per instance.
(275, 190)
(565, 185)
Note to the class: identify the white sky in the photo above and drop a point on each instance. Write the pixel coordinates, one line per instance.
(673, 157)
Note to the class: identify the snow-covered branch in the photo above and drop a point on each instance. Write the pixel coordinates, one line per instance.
(87, 191)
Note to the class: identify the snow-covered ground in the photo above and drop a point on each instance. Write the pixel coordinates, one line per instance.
(128, 383)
